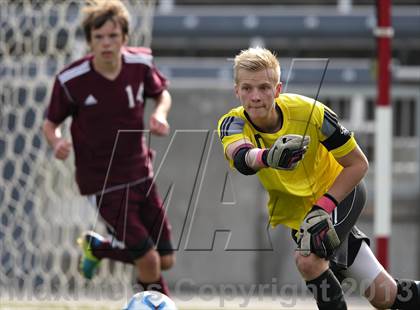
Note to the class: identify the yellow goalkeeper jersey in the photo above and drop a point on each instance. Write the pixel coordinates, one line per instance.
(293, 192)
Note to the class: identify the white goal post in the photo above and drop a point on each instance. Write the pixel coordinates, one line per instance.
(41, 211)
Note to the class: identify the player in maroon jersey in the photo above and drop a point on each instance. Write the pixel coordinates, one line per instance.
(105, 93)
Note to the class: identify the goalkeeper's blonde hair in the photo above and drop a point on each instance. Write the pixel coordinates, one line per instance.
(256, 59)
(98, 12)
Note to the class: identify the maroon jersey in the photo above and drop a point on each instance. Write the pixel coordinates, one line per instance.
(107, 118)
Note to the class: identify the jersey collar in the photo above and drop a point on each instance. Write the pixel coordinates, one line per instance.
(280, 112)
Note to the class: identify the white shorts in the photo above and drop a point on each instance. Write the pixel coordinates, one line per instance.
(361, 274)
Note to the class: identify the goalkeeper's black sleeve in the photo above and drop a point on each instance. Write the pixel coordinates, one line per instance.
(240, 163)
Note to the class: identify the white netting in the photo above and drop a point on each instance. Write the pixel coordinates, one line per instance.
(41, 212)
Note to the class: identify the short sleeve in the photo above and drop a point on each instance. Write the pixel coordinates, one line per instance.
(60, 105)
(336, 138)
(155, 83)
(231, 129)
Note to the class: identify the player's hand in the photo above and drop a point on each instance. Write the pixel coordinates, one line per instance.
(287, 151)
(317, 234)
(158, 125)
(62, 149)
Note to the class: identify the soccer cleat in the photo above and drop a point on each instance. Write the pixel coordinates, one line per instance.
(89, 263)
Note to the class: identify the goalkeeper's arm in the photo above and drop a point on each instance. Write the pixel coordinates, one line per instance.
(355, 165)
(284, 154)
(246, 158)
(317, 234)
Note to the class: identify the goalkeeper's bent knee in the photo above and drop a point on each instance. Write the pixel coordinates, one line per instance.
(408, 295)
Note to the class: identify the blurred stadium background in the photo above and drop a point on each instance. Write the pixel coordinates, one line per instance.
(41, 214)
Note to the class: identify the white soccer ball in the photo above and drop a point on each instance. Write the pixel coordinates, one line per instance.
(150, 300)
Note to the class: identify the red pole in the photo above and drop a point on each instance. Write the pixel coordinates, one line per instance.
(384, 32)
(383, 214)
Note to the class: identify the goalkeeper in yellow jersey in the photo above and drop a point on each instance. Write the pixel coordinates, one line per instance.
(312, 169)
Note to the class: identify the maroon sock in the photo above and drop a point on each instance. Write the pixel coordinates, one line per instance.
(160, 286)
(106, 250)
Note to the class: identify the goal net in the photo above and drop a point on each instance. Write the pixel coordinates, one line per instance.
(41, 211)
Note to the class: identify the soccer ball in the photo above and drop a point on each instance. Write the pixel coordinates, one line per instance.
(150, 300)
